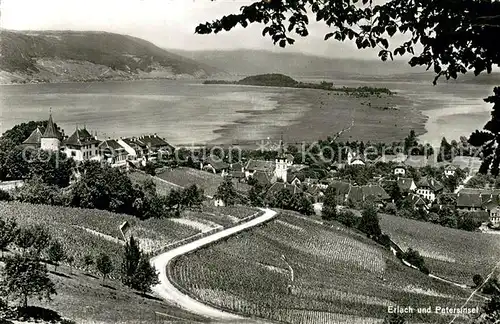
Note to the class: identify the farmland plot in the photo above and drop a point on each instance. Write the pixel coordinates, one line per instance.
(450, 253)
(338, 277)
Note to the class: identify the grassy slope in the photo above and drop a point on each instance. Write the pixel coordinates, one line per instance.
(450, 253)
(336, 272)
(120, 52)
(207, 181)
(86, 299)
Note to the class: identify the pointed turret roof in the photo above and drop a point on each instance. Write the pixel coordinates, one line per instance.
(50, 131)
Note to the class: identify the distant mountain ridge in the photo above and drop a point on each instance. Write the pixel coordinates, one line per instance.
(59, 56)
(250, 62)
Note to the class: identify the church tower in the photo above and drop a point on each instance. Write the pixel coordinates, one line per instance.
(281, 169)
(50, 139)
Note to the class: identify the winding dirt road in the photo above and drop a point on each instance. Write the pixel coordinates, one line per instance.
(171, 294)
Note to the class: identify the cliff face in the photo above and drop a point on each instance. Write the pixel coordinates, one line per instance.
(59, 56)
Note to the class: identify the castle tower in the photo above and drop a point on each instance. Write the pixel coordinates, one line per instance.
(50, 139)
(281, 169)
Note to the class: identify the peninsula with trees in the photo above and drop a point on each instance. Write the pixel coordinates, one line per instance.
(281, 80)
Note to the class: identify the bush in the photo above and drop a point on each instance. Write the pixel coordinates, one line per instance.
(385, 240)
(348, 218)
(5, 196)
(391, 208)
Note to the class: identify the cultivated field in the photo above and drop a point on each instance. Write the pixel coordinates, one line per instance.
(207, 181)
(339, 276)
(450, 253)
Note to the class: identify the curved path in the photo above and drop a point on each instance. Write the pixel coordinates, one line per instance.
(170, 293)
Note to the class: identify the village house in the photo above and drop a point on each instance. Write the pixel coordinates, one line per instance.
(215, 165)
(349, 194)
(278, 186)
(406, 185)
(136, 150)
(81, 145)
(400, 170)
(429, 188)
(450, 170)
(416, 202)
(237, 171)
(156, 146)
(355, 159)
(113, 153)
(480, 200)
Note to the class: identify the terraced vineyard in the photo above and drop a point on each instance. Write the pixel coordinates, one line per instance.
(77, 228)
(450, 253)
(339, 276)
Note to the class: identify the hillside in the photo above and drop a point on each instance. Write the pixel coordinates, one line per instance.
(339, 276)
(59, 56)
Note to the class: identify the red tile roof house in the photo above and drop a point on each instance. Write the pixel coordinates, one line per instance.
(81, 145)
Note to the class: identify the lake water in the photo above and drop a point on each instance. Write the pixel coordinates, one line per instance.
(189, 112)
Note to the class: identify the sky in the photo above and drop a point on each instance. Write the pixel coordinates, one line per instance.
(167, 23)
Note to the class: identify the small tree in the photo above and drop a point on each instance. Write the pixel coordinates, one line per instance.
(104, 265)
(8, 232)
(329, 211)
(226, 192)
(145, 276)
(56, 253)
(369, 223)
(150, 168)
(478, 280)
(88, 261)
(24, 239)
(25, 278)
(131, 258)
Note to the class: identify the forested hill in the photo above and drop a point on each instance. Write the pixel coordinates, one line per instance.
(58, 56)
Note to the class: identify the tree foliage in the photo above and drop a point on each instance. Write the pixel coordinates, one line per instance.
(8, 233)
(56, 253)
(329, 211)
(369, 223)
(131, 258)
(104, 265)
(25, 277)
(226, 192)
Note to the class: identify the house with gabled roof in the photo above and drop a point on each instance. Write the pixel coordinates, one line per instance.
(81, 145)
(416, 202)
(214, 164)
(450, 170)
(406, 185)
(429, 188)
(156, 145)
(113, 153)
(278, 186)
